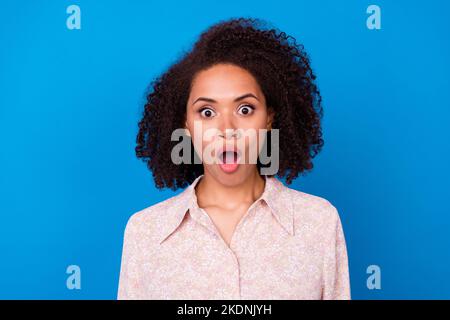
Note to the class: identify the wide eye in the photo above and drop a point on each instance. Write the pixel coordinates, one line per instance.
(207, 112)
(246, 109)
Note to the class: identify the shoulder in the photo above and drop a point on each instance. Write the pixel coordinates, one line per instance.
(312, 212)
(148, 221)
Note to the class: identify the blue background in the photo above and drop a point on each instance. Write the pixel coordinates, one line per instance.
(70, 101)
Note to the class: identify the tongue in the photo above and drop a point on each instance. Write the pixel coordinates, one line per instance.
(229, 167)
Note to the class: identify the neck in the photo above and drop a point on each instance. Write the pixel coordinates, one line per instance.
(211, 192)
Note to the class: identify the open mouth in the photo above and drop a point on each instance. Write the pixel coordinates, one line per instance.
(228, 157)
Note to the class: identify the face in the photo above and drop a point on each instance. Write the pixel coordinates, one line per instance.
(227, 99)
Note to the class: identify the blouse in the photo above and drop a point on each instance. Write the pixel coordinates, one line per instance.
(288, 245)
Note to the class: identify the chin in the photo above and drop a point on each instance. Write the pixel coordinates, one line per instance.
(231, 179)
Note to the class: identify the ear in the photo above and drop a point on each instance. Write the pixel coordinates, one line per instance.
(186, 130)
(271, 115)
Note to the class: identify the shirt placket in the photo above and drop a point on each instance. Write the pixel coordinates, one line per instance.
(233, 250)
(202, 218)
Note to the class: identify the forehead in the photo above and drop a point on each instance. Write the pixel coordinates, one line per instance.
(224, 81)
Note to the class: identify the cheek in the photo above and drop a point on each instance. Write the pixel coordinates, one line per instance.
(260, 126)
(256, 121)
(255, 141)
(203, 134)
(255, 134)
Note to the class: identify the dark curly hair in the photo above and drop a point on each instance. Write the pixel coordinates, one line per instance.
(281, 68)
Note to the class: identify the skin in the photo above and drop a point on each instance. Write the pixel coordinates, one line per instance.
(226, 197)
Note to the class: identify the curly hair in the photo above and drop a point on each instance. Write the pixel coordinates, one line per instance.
(282, 69)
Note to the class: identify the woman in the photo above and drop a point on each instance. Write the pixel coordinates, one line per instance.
(234, 232)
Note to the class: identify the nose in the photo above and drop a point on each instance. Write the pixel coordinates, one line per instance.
(227, 127)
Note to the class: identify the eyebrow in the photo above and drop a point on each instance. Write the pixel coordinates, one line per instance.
(247, 95)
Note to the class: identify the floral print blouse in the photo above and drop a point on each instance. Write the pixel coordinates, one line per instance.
(288, 245)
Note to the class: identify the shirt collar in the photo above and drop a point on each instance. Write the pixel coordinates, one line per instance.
(275, 195)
